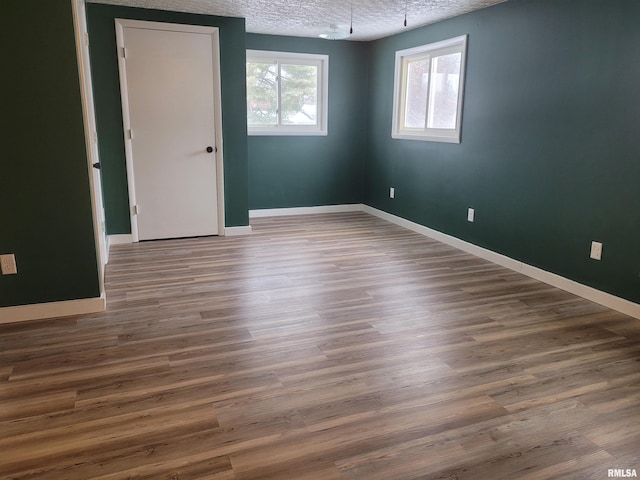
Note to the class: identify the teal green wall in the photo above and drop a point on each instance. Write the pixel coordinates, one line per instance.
(104, 67)
(550, 152)
(45, 202)
(295, 171)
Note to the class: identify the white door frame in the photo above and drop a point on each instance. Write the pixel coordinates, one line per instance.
(91, 136)
(217, 109)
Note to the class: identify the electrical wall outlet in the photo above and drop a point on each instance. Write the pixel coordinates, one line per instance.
(596, 250)
(8, 264)
(471, 214)
(392, 192)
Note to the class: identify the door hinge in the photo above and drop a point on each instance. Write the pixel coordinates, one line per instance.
(136, 210)
(124, 52)
(86, 39)
(130, 133)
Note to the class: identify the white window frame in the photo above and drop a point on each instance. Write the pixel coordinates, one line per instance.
(403, 58)
(322, 62)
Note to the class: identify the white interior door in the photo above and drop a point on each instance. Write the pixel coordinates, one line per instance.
(91, 136)
(169, 97)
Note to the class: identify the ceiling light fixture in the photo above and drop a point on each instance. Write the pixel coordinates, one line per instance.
(351, 27)
(336, 33)
(405, 12)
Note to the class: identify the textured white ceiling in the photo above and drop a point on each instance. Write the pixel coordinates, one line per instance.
(371, 18)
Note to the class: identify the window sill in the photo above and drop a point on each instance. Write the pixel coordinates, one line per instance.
(283, 132)
(426, 138)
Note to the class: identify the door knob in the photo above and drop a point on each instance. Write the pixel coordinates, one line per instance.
(209, 149)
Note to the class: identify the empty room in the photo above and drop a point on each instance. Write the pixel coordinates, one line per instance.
(322, 240)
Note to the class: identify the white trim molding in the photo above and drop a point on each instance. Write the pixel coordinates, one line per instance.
(430, 54)
(214, 33)
(124, 239)
(277, 60)
(90, 134)
(96, 305)
(40, 311)
(120, 239)
(606, 299)
(281, 212)
(236, 231)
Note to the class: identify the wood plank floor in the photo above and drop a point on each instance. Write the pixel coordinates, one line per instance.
(320, 347)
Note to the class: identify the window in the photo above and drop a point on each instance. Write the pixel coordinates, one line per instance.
(286, 93)
(428, 89)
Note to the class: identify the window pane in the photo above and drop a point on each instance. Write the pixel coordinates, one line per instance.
(299, 94)
(262, 97)
(417, 89)
(443, 92)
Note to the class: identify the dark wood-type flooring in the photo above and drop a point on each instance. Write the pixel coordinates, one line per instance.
(320, 347)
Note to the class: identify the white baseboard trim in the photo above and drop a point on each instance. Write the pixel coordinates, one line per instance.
(41, 311)
(96, 305)
(611, 301)
(120, 239)
(281, 212)
(235, 231)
